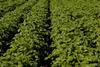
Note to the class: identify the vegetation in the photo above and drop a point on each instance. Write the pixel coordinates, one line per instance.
(76, 41)
(10, 23)
(49, 33)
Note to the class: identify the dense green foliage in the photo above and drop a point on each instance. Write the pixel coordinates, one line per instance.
(24, 50)
(76, 41)
(10, 22)
(49, 33)
(10, 5)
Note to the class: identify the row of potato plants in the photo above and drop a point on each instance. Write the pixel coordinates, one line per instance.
(75, 33)
(10, 5)
(25, 49)
(10, 23)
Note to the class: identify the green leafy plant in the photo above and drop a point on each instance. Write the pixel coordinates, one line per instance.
(10, 23)
(75, 40)
(25, 49)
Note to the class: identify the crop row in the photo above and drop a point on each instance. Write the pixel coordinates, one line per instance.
(10, 23)
(75, 33)
(25, 48)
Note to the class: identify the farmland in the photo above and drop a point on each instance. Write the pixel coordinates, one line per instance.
(49, 33)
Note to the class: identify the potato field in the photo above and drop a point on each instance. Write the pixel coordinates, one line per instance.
(49, 33)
